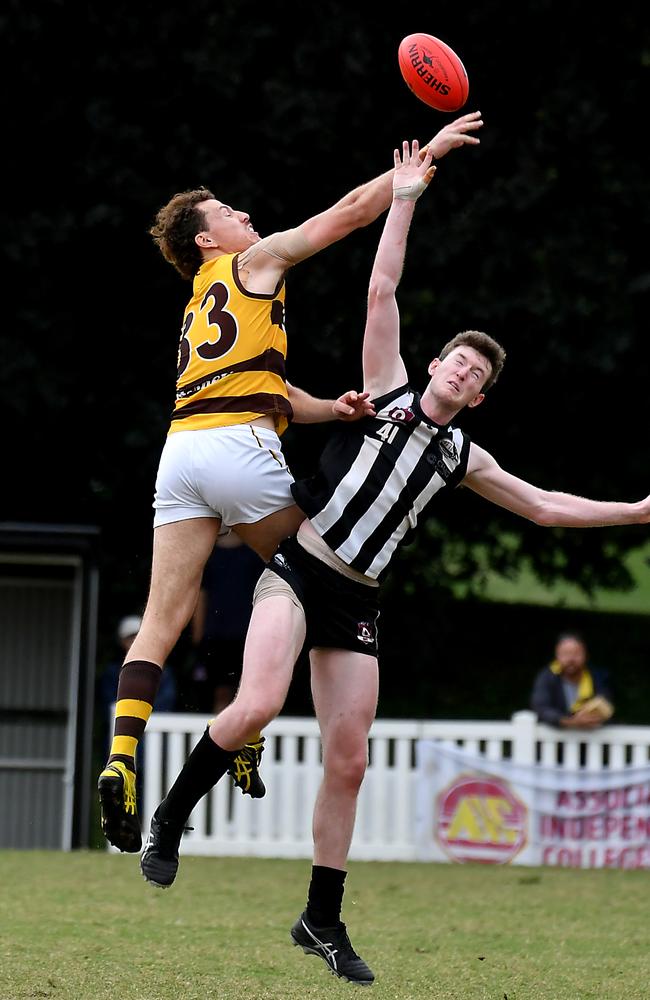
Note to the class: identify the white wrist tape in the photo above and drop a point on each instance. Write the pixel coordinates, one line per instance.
(411, 191)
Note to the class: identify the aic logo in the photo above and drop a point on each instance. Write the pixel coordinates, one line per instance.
(480, 819)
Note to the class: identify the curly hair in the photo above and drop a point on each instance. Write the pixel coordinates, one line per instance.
(175, 227)
(485, 345)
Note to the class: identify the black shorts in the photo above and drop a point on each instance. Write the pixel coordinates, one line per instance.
(340, 613)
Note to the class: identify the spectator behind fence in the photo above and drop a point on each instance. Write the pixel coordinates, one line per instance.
(570, 693)
(220, 622)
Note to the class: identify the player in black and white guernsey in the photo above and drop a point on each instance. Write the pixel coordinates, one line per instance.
(375, 480)
(373, 485)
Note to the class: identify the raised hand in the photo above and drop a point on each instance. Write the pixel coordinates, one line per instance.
(413, 171)
(353, 405)
(458, 133)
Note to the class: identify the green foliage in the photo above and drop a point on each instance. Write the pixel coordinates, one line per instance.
(535, 237)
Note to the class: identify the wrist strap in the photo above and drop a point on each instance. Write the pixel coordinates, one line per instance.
(411, 191)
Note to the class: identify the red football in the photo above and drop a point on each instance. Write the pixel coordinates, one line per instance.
(433, 71)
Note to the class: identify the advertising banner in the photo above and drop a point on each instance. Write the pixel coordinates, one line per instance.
(499, 812)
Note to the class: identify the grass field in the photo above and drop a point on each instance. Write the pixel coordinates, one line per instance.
(85, 926)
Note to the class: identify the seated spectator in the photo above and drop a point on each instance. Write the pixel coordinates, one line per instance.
(567, 692)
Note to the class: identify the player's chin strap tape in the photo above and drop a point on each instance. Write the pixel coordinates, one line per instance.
(410, 192)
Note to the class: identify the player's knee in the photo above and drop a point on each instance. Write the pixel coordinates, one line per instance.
(254, 717)
(345, 764)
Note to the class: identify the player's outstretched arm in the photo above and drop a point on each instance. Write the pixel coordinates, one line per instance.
(545, 507)
(308, 409)
(277, 253)
(383, 368)
(366, 203)
(454, 135)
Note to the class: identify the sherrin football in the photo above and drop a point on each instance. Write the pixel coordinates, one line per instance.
(433, 72)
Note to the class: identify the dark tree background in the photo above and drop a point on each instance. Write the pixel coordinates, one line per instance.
(538, 237)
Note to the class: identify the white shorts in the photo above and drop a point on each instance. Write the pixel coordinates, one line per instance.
(235, 473)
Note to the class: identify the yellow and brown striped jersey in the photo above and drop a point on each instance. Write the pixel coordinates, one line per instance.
(232, 351)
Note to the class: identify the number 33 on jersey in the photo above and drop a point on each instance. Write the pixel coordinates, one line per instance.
(232, 352)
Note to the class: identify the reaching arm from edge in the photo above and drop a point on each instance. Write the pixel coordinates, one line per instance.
(310, 410)
(272, 257)
(545, 507)
(383, 368)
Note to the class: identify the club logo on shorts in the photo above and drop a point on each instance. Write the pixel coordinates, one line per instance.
(366, 632)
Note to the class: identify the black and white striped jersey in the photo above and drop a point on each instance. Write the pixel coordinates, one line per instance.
(375, 477)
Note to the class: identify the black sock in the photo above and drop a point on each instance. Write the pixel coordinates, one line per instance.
(201, 771)
(325, 896)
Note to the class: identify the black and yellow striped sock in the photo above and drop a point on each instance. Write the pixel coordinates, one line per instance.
(136, 692)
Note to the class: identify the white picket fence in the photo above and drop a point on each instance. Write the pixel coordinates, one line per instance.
(279, 825)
